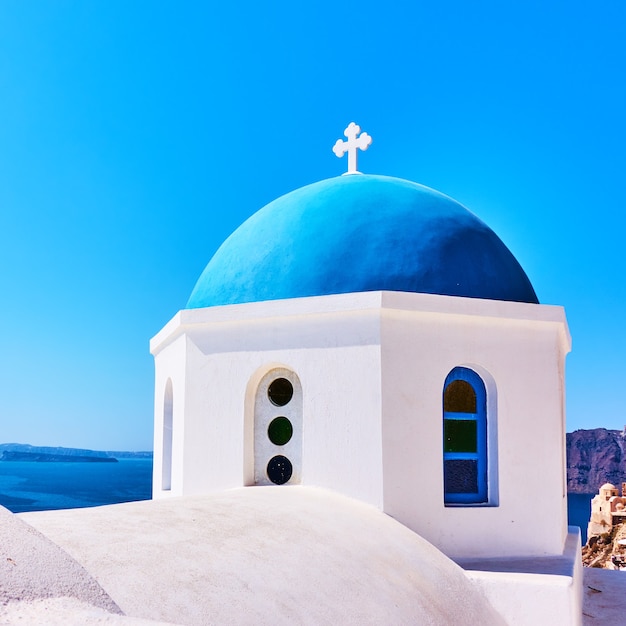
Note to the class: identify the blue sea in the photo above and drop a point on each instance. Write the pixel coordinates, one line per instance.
(29, 486)
(579, 510)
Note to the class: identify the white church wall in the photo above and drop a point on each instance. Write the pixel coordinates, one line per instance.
(519, 347)
(372, 368)
(335, 355)
(336, 380)
(169, 372)
(343, 454)
(214, 433)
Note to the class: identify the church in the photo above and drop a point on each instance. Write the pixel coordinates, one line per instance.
(368, 339)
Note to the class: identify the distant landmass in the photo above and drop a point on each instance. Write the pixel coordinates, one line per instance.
(46, 454)
(45, 457)
(129, 455)
(595, 457)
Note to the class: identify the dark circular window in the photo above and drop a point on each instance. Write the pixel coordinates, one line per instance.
(280, 431)
(280, 392)
(279, 469)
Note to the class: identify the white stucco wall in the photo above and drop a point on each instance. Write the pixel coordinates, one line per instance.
(335, 354)
(529, 593)
(372, 367)
(518, 350)
(170, 366)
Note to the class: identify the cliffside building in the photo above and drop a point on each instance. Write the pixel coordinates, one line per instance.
(608, 509)
(372, 337)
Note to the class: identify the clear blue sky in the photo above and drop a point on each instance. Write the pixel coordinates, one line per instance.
(135, 136)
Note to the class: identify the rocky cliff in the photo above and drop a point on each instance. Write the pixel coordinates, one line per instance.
(595, 457)
(606, 551)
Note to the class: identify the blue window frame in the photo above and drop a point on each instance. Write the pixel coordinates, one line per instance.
(464, 438)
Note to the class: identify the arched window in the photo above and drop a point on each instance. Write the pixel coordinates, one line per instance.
(168, 419)
(465, 462)
(278, 428)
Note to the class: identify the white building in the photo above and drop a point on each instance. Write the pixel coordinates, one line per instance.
(372, 337)
(608, 509)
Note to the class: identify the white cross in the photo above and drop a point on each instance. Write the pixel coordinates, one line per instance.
(354, 142)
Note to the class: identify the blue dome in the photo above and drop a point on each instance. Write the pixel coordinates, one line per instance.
(361, 233)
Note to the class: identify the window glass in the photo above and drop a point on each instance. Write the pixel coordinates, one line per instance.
(279, 469)
(459, 397)
(461, 476)
(280, 392)
(280, 431)
(459, 435)
(465, 461)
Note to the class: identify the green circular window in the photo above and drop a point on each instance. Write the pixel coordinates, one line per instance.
(279, 469)
(279, 431)
(280, 392)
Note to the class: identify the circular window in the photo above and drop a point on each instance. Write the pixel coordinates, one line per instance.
(280, 431)
(280, 392)
(279, 469)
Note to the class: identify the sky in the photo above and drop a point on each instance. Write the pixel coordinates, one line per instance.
(136, 136)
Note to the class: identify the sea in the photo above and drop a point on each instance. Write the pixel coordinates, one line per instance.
(30, 486)
(579, 510)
